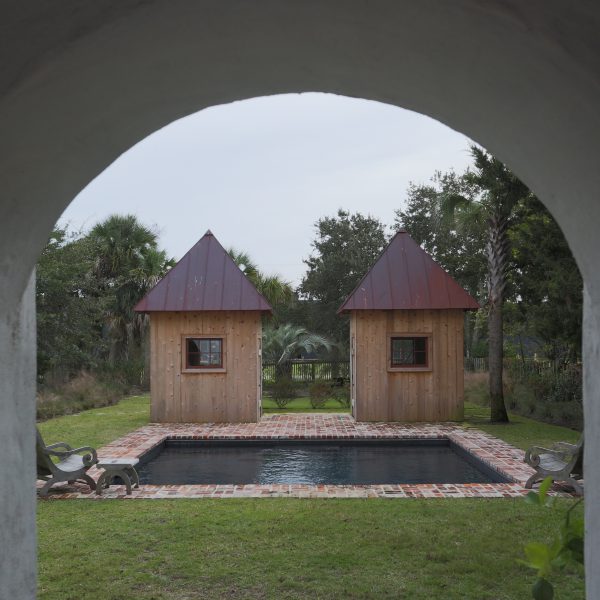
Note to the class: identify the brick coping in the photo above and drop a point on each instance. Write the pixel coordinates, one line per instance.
(496, 454)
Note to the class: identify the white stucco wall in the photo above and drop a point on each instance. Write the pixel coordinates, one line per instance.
(17, 443)
(83, 80)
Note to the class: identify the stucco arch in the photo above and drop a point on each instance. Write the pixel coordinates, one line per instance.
(84, 81)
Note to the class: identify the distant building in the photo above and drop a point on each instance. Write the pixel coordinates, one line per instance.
(406, 338)
(205, 332)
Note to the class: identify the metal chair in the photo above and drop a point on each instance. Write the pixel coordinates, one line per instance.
(71, 466)
(562, 462)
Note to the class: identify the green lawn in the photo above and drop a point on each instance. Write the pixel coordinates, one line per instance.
(98, 426)
(287, 548)
(102, 425)
(521, 431)
(276, 548)
(302, 405)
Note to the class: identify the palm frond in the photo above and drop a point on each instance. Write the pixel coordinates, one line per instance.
(274, 289)
(281, 343)
(245, 263)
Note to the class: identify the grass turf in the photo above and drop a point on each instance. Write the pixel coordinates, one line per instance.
(288, 548)
(302, 405)
(98, 426)
(520, 431)
(273, 548)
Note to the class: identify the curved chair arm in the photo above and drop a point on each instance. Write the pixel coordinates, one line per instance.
(59, 445)
(567, 455)
(89, 459)
(565, 447)
(532, 456)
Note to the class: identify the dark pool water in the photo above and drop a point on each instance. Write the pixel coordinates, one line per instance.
(311, 463)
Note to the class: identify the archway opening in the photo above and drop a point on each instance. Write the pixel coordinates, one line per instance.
(520, 81)
(229, 168)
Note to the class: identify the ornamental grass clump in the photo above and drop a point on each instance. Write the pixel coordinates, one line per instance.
(342, 395)
(283, 391)
(553, 395)
(83, 392)
(319, 392)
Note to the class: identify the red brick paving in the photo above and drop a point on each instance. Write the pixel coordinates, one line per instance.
(498, 455)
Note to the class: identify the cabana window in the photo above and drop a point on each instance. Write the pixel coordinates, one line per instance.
(408, 352)
(204, 353)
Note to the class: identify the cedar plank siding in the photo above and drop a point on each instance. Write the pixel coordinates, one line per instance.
(411, 395)
(230, 396)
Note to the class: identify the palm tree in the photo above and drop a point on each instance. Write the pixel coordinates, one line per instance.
(129, 263)
(152, 267)
(496, 193)
(121, 242)
(244, 262)
(272, 287)
(281, 344)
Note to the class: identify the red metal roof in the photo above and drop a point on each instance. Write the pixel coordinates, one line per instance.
(406, 277)
(206, 278)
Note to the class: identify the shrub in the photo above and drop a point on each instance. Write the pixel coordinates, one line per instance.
(342, 395)
(548, 394)
(83, 392)
(129, 374)
(564, 550)
(319, 392)
(528, 407)
(476, 388)
(545, 411)
(49, 405)
(553, 395)
(283, 391)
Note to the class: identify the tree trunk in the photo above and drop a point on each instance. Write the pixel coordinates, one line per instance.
(283, 370)
(495, 356)
(497, 255)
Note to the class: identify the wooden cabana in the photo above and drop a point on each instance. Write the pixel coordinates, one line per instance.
(406, 338)
(205, 336)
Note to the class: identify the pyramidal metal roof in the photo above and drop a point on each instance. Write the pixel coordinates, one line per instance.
(206, 278)
(406, 277)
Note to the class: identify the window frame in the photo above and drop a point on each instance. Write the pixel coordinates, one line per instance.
(414, 367)
(187, 368)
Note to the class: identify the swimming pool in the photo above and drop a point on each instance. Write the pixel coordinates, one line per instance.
(313, 462)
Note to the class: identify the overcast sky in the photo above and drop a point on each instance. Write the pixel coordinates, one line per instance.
(259, 173)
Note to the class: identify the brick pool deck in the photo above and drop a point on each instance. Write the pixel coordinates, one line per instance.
(500, 456)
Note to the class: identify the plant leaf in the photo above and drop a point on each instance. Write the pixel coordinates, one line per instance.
(542, 590)
(539, 556)
(575, 547)
(544, 487)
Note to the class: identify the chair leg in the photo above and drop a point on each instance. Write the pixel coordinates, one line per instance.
(89, 481)
(576, 486)
(101, 483)
(124, 475)
(134, 477)
(533, 479)
(43, 492)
